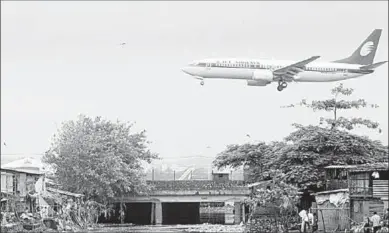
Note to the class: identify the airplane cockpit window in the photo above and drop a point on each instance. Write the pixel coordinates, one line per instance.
(195, 63)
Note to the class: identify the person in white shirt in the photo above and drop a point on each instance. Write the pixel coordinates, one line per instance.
(376, 222)
(304, 220)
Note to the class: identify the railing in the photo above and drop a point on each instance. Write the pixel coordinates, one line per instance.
(336, 184)
(361, 191)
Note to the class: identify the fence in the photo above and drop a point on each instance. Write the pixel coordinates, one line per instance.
(333, 219)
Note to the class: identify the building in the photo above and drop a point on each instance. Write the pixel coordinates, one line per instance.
(368, 187)
(23, 186)
(332, 205)
(25, 183)
(351, 192)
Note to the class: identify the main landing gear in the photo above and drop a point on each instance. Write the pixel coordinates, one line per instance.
(282, 85)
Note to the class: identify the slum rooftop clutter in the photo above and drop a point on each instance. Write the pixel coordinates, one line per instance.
(383, 166)
(28, 165)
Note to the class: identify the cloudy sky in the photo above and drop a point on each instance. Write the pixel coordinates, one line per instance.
(60, 59)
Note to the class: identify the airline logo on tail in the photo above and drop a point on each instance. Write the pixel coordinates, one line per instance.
(367, 48)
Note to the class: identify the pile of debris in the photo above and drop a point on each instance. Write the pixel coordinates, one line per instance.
(32, 222)
(216, 228)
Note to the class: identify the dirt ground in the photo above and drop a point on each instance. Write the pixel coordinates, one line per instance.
(172, 228)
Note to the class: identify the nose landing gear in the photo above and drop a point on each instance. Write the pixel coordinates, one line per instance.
(282, 85)
(202, 83)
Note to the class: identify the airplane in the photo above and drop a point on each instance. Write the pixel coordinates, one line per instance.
(263, 72)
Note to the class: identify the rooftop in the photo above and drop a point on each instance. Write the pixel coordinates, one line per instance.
(371, 167)
(341, 167)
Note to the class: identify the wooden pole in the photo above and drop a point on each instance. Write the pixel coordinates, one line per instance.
(322, 218)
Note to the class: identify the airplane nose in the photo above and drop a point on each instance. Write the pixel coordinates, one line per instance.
(186, 70)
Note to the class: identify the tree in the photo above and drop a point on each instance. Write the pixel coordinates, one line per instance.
(99, 158)
(311, 148)
(302, 155)
(335, 105)
(256, 157)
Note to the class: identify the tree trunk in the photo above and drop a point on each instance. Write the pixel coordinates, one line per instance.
(121, 211)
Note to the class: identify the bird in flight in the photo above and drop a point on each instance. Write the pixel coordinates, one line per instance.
(122, 44)
(4, 144)
(248, 135)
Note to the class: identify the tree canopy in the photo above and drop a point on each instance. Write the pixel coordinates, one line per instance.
(303, 154)
(335, 105)
(99, 158)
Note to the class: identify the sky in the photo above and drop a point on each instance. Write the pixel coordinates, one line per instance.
(61, 59)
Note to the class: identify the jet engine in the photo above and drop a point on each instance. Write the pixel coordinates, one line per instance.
(265, 76)
(256, 83)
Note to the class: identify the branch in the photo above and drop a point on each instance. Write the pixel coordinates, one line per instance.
(351, 123)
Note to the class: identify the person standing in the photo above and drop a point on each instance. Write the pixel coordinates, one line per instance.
(386, 217)
(376, 222)
(314, 223)
(304, 220)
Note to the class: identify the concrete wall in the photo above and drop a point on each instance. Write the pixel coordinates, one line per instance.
(185, 185)
(169, 197)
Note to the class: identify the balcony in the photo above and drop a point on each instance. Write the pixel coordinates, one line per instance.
(360, 191)
(378, 188)
(336, 184)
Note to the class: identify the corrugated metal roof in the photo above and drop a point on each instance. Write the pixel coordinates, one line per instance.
(331, 191)
(64, 192)
(371, 167)
(340, 166)
(22, 171)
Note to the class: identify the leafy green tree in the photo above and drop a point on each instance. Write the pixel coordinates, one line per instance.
(254, 157)
(303, 154)
(311, 148)
(99, 158)
(335, 105)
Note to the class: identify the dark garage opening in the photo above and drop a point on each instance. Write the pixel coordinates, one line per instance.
(181, 213)
(138, 213)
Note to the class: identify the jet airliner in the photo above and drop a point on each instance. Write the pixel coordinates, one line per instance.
(263, 72)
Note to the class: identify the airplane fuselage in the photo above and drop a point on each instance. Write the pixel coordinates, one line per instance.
(245, 69)
(263, 72)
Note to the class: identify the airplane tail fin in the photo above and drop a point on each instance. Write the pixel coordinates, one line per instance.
(365, 53)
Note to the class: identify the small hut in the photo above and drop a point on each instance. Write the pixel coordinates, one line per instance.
(368, 184)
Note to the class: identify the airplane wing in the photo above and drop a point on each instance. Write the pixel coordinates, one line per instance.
(288, 72)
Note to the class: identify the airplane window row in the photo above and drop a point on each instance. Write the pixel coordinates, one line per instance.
(321, 69)
(261, 66)
(248, 65)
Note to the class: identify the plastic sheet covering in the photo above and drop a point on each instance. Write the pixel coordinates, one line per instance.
(337, 199)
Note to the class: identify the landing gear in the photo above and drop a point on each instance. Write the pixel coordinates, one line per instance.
(202, 83)
(282, 85)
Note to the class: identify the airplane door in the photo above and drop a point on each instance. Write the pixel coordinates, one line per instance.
(208, 66)
(345, 73)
